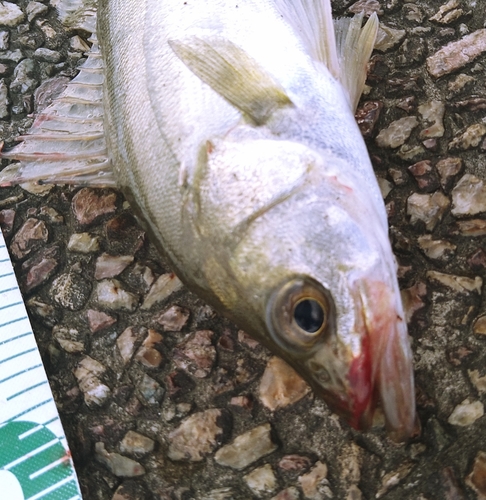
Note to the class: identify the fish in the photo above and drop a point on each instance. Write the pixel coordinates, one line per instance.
(229, 126)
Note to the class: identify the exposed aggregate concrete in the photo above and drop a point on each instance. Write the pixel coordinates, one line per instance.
(147, 377)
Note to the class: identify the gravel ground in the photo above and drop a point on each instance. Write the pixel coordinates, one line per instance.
(160, 397)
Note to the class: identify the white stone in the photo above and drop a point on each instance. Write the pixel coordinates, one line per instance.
(466, 413)
(261, 480)
(10, 14)
(83, 243)
(469, 196)
(397, 132)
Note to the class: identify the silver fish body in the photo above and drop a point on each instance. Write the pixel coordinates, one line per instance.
(230, 128)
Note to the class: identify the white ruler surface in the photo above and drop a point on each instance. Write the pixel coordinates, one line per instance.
(35, 463)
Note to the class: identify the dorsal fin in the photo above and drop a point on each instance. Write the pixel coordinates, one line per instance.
(312, 21)
(66, 143)
(342, 45)
(355, 45)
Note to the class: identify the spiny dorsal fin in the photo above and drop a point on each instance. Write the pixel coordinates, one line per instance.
(355, 45)
(66, 143)
(312, 21)
(343, 45)
(233, 74)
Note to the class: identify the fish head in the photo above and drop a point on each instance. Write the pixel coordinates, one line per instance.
(315, 265)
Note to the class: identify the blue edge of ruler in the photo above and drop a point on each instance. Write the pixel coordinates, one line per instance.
(35, 462)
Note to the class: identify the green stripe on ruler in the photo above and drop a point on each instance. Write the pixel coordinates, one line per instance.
(34, 460)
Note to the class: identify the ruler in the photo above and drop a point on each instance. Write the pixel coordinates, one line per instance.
(35, 462)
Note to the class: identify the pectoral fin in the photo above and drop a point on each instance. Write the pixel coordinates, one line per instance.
(233, 74)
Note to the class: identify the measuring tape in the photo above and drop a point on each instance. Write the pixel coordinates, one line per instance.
(35, 462)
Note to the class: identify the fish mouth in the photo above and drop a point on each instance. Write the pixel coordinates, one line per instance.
(380, 371)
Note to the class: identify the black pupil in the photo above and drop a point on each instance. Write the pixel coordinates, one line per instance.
(309, 315)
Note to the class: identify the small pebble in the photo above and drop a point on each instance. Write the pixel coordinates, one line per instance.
(147, 355)
(87, 373)
(478, 381)
(31, 236)
(294, 463)
(196, 436)
(83, 243)
(368, 7)
(448, 12)
(388, 37)
(410, 153)
(246, 339)
(128, 341)
(261, 480)
(117, 464)
(77, 44)
(280, 385)
(70, 339)
(393, 478)
(109, 266)
(111, 294)
(461, 284)
(99, 320)
(314, 482)
(436, 249)
(90, 204)
(10, 14)
(47, 55)
(448, 168)
(471, 227)
(39, 268)
(466, 413)
(457, 54)
(173, 319)
(385, 186)
(397, 132)
(461, 81)
(136, 444)
(413, 13)
(4, 40)
(367, 116)
(165, 286)
(4, 100)
(35, 9)
(432, 112)
(24, 80)
(477, 478)
(469, 196)
(196, 355)
(425, 175)
(479, 325)
(468, 139)
(151, 391)
(11, 56)
(247, 448)
(429, 208)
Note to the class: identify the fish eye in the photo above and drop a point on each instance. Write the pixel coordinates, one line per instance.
(309, 315)
(300, 315)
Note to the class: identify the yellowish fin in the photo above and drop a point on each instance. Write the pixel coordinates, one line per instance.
(233, 74)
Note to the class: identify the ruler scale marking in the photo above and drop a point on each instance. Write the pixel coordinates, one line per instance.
(33, 446)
